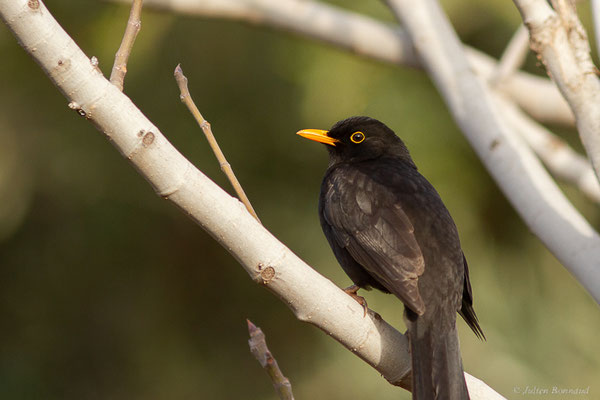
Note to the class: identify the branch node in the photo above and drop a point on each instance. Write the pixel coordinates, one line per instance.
(77, 108)
(267, 275)
(148, 139)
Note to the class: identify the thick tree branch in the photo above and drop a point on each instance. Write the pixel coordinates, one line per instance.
(519, 174)
(596, 19)
(560, 40)
(559, 158)
(370, 38)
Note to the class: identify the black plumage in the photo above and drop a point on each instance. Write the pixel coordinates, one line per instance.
(390, 230)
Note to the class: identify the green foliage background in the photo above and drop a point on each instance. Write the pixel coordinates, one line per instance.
(109, 292)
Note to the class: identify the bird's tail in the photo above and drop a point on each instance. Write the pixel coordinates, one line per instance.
(437, 371)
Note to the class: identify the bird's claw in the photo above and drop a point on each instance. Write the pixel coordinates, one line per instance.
(352, 290)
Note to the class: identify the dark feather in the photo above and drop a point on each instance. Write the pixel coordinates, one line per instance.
(365, 218)
(466, 310)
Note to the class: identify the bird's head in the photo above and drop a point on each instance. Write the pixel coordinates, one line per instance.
(358, 139)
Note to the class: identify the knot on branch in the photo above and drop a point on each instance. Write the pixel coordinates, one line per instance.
(78, 109)
(148, 139)
(266, 273)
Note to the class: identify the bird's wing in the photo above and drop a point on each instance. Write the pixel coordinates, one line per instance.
(367, 219)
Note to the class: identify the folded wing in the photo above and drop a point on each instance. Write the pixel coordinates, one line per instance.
(367, 219)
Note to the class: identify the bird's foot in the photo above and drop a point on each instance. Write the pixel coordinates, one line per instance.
(352, 290)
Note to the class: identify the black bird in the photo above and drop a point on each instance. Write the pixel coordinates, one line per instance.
(390, 230)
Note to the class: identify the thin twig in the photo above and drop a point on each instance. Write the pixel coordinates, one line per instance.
(259, 349)
(134, 25)
(186, 98)
(513, 57)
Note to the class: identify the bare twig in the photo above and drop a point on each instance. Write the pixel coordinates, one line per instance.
(260, 351)
(134, 25)
(559, 38)
(368, 37)
(513, 57)
(186, 98)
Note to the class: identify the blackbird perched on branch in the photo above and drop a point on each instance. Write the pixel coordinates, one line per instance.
(390, 230)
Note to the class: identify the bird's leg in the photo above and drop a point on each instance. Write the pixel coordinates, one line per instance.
(352, 290)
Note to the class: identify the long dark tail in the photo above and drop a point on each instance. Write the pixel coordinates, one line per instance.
(437, 371)
(467, 311)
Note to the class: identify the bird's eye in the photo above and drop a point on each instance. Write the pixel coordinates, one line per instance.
(357, 137)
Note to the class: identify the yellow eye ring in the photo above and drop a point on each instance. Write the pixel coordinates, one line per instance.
(357, 137)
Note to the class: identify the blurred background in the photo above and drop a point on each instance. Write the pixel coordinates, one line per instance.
(109, 292)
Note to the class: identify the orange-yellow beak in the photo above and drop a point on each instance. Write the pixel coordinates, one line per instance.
(317, 135)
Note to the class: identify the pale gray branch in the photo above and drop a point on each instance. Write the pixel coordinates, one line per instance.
(517, 171)
(560, 159)
(559, 38)
(596, 19)
(370, 38)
